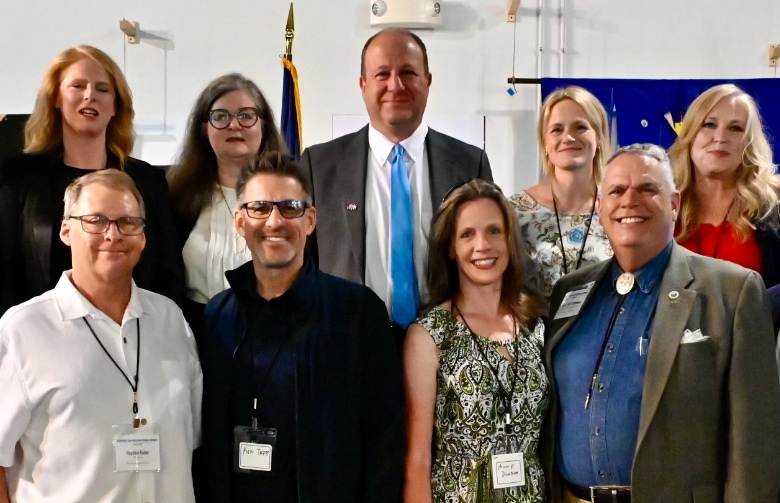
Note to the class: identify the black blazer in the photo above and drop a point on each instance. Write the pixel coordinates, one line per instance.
(31, 207)
(336, 172)
(349, 398)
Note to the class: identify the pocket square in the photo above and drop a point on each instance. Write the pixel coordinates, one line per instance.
(691, 337)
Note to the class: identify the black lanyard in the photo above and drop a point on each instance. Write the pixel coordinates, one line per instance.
(504, 396)
(560, 234)
(134, 384)
(607, 335)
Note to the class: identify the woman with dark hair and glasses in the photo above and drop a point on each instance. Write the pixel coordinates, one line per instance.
(230, 124)
(82, 122)
(473, 370)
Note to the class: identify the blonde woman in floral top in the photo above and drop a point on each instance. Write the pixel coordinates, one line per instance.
(558, 217)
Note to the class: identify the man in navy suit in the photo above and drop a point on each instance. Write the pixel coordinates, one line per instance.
(350, 176)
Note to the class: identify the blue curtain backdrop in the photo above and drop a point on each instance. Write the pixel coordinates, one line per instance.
(639, 105)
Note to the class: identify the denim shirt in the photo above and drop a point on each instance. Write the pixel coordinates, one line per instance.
(597, 443)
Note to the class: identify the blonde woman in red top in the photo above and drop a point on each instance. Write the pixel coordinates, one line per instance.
(723, 167)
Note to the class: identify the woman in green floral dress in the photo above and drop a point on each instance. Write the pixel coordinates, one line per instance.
(474, 376)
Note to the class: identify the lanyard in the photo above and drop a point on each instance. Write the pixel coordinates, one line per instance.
(607, 334)
(504, 396)
(560, 234)
(134, 387)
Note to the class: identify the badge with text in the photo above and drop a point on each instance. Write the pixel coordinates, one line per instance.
(573, 300)
(508, 470)
(137, 452)
(253, 448)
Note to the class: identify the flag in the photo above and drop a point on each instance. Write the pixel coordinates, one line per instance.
(291, 108)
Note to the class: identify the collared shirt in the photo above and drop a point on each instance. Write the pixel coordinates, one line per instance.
(61, 395)
(597, 444)
(380, 156)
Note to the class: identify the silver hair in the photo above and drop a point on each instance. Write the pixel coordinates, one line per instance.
(111, 178)
(649, 151)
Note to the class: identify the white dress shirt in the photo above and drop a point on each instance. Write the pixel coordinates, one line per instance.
(61, 395)
(380, 156)
(213, 247)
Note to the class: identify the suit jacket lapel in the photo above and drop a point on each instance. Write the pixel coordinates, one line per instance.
(671, 317)
(352, 183)
(443, 166)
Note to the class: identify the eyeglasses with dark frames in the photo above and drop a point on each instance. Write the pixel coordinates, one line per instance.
(99, 224)
(247, 117)
(290, 208)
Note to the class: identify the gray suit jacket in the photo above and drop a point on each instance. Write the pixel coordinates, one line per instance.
(337, 176)
(709, 428)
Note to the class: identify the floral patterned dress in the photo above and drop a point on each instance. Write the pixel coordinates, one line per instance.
(468, 425)
(543, 242)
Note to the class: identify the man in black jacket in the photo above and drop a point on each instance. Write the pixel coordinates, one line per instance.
(303, 395)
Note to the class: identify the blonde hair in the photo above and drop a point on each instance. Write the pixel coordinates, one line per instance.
(597, 118)
(43, 131)
(111, 178)
(757, 187)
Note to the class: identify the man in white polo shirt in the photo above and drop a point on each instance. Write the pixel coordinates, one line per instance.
(101, 384)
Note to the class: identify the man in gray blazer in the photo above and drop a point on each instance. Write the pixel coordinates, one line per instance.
(662, 361)
(350, 176)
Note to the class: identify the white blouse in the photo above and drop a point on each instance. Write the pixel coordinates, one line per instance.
(213, 247)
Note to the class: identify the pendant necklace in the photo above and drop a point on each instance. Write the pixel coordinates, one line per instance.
(560, 233)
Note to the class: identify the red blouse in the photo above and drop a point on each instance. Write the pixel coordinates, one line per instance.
(722, 242)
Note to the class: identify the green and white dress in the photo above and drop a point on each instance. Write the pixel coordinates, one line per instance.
(468, 422)
(543, 242)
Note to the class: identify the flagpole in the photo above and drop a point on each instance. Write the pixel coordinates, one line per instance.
(289, 34)
(291, 126)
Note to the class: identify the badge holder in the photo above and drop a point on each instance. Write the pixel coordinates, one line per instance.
(253, 448)
(507, 468)
(136, 449)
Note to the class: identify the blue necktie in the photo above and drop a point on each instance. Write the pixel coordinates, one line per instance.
(405, 295)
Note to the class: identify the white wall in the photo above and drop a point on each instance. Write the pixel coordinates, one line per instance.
(186, 43)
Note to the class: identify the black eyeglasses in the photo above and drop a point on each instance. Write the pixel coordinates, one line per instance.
(465, 182)
(220, 118)
(98, 224)
(291, 208)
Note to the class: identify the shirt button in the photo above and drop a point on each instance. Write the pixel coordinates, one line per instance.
(597, 431)
(610, 347)
(601, 388)
(601, 473)
(124, 339)
(143, 421)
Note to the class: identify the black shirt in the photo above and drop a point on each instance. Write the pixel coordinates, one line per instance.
(264, 368)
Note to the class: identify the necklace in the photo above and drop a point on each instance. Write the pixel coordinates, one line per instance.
(222, 193)
(560, 233)
(504, 395)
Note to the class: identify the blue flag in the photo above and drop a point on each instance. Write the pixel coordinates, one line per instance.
(291, 109)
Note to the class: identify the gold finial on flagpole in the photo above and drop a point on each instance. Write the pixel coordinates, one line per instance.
(289, 33)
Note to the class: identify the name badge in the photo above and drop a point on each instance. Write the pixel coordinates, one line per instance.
(253, 448)
(255, 456)
(573, 300)
(508, 470)
(137, 452)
